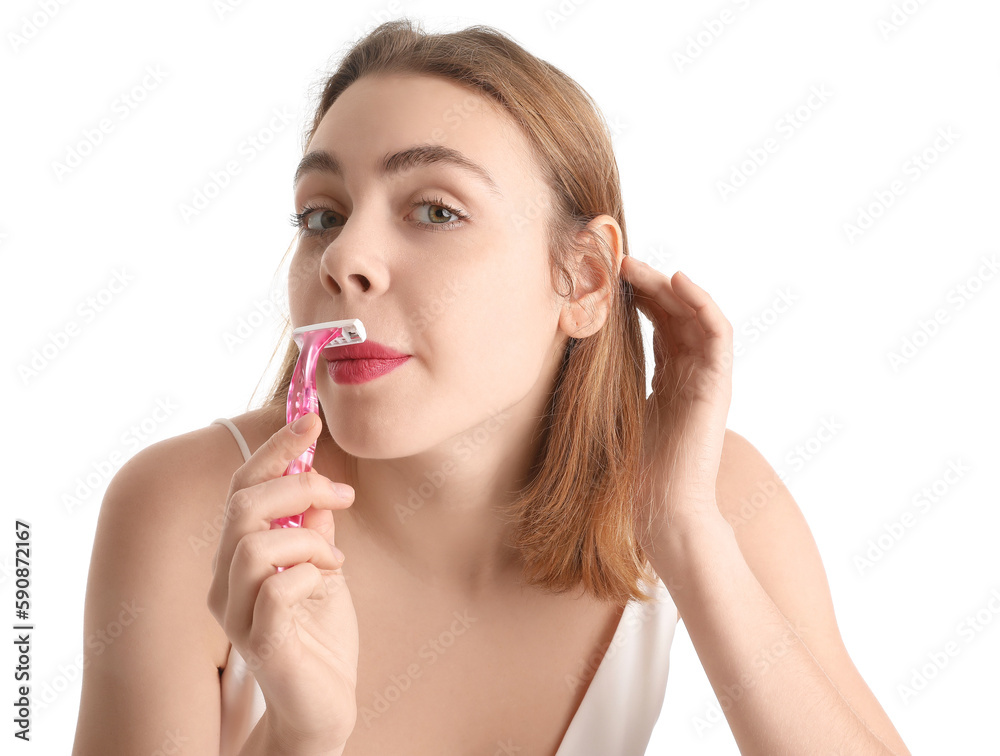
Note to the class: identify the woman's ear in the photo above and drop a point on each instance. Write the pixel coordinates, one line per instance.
(586, 310)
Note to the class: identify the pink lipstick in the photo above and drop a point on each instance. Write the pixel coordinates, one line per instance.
(360, 363)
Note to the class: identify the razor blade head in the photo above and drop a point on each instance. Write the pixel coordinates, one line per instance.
(353, 332)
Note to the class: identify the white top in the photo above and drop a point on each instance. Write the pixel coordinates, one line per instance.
(618, 711)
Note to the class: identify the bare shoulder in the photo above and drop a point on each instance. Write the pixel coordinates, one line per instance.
(742, 465)
(780, 550)
(755, 502)
(255, 426)
(771, 531)
(190, 466)
(153, 647)
(170, 498)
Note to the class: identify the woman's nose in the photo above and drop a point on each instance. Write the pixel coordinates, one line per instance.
(350, 263)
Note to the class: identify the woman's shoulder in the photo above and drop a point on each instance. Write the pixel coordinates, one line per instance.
(255, 426)
(181, 484)
(163, 512)
(205, 456)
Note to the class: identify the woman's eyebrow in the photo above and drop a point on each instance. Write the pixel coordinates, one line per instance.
(326, 162)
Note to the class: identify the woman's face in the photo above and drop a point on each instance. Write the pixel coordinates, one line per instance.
(435, 262)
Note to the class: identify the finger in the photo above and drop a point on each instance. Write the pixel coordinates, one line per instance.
(320, 520)
(251, 510)
(709, 315)
(654, 289)
(676, 320)
(256, 560)
(272, 458)
(283, 599)
(664, 347)
(652, 306)
(718, 330)
(657, 299)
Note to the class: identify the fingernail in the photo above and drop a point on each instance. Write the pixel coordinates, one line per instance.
(303, 424)
(337, 553)
(682, 275)
(341, 489)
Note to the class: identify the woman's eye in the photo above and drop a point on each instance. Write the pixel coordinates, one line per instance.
(437, 214)
(313, 221)
(322, 220)
(316, 221)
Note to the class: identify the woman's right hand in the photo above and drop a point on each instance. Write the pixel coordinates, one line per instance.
(296, 629)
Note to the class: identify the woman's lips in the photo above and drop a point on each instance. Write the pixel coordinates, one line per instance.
(346, 372)
(366, 350)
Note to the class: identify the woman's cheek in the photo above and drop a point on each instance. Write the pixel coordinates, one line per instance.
(300, 276)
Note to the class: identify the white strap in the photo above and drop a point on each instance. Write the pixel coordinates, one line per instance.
(237, 435)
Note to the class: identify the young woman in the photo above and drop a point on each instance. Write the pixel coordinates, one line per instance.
(521, 526)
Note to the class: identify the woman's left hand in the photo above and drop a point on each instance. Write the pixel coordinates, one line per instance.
(685, 415)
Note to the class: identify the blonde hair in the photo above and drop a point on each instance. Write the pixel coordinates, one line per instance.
(575, 520)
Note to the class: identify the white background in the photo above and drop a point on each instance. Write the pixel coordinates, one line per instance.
(166, 338)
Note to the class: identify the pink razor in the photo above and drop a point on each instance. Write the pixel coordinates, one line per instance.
(302, 397)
